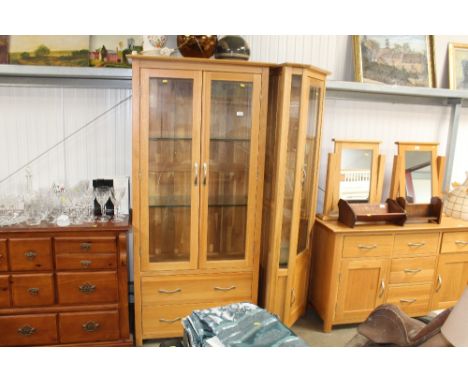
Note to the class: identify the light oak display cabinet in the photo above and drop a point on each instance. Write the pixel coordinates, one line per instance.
(296, 97)
(198, 158)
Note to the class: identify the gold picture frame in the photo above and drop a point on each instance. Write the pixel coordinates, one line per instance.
(411, 58)
(458, 67)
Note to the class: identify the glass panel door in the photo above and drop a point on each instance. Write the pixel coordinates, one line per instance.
(172, 170)
(229, 166)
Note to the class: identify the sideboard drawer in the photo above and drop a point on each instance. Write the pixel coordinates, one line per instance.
(367, 246)
(416, 244)
(454, 242)
(3, 256)
(26, 330)
(30, 254)
(185, 289)
(83, 261)
(4, 292)
(68, 245)
(87, 287)
(89, 326)
(412, 270)
(32, 290)
(412, 299)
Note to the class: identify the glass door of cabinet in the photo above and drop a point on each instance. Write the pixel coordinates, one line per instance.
(170, 173)
(229, 165)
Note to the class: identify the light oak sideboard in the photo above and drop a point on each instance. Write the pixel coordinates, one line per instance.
(419, 267)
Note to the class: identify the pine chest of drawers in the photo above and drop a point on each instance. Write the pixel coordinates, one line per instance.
(64, 286)
(419, 267)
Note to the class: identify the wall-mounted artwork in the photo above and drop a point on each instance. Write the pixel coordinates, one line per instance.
(4, 49)
(111, 51)
(458, 66)
(49, 50)
(395, 60)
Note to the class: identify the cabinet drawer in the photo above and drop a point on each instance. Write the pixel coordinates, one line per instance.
(67, 245)
(25, 330)
(87, 287)
(30, 254)
(4, 292)
(413, 299)
(82, 261)
(455, 242)
(367, 246)
(88, 327)
(415, 244)
(3, 256)
(411, 270)
(32, 290)
(184, 289)
(165, 321)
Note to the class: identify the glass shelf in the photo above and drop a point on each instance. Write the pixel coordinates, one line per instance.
(227, 201)
(170, 138)
(171, 201)
(228, 139)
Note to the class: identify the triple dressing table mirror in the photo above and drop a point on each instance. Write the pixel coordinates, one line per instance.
(417, 180)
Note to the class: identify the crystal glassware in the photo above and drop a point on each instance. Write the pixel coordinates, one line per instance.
(102, 196)
(116, 196)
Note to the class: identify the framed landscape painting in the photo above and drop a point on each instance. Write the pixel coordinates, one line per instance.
(458, 66)
(4, 49)
(111, 51)
(394, 60)
(49, 50)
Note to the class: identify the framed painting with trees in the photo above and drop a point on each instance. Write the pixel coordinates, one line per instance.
(458, 66)
(394, 60)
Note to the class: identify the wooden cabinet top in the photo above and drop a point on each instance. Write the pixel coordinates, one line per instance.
(448, 224)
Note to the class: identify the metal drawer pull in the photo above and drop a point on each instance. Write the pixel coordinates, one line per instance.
(205, 171)
(85, 246)
(27, 330)
(225, 289)
(87, 288)
(408, 300)
(382, 288)
(196, 173)
(416, 245)
(85, 263)
(461, 242)
(409, 270)
(30, 255)
(365, 246)
(90, 326)
(170, 321)
(33, 291)
(170, 291)
(439, 283)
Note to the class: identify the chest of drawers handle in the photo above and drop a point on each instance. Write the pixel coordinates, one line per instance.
(410, 270)
(165, 291)
(87, 288)
(30, 255)
(170, 321)
(416, 245)
(408, 300)
(27, 330)
(85, 246)
(33, 291)
(461, 243)
(439, 283)
(367, 246)
(382, 288)
(85, 263)
(221, 289)
(90, 326)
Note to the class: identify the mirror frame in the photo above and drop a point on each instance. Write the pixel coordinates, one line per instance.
(398, 185)
(332, 193)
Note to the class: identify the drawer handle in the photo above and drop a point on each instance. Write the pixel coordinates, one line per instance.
(27, 330)
(409, 270)
(30, 255)
(164, 291)
(461, 243)
(408, 300)
(293, 297)
(85, 246)
(87, 288)
(170, 321)
(33, 291)
(439, 283)
(382, 288)
(1, 256)
(90, 326)
(85, 263)
(416, 245)
(367, 246)
(221, 289)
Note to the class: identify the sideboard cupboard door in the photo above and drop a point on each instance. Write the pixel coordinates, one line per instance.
(362, 287)
(451, 280)
(231, 121)
(170, 168)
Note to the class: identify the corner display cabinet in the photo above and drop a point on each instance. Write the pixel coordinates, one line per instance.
(293, 143)
(198, 160)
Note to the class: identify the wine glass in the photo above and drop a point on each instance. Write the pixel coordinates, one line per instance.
(116, 196)
(102, 196)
